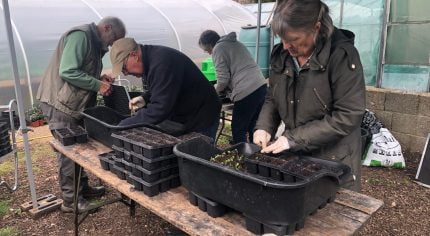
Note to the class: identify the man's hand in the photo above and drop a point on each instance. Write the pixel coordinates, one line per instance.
(281, 144)
(105, 88)
(107, 79)
(261, 138)
(136, 103)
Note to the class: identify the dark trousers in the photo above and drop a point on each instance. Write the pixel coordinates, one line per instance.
(211, 130)
(58, 120)
(245, 115)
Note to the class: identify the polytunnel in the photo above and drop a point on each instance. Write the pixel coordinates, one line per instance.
(38, 24)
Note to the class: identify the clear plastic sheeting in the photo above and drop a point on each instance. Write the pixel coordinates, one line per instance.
(266, 10)
(174, 23)
(364, 18)
(407, 55)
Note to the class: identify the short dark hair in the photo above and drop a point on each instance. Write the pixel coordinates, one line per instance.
(208, 39)
(302, 15)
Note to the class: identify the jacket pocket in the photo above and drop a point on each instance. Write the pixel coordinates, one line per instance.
(323, 104)
(72, 97)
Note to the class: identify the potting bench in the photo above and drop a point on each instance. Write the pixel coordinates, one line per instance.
(344, 216)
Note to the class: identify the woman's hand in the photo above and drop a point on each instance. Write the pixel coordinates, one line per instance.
(281, 144)
(261, 138)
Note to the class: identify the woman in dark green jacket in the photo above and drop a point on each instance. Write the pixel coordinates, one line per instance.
(316, 87)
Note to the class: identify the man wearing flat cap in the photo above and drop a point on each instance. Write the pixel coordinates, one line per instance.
(177, 90)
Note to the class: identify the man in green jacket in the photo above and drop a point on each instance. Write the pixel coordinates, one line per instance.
(316, 87)
(70, 84)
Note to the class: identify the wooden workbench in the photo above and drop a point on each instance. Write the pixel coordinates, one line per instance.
(344, 216)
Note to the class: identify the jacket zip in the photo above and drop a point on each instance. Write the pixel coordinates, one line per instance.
(320, 99)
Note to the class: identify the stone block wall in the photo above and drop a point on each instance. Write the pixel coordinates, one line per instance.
(405, 114)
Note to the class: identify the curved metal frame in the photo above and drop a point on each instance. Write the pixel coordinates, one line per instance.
(213, 14)
(24, 55)
(12, 107)
(168, 21)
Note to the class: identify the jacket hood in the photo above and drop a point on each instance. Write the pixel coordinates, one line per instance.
(231, 37)
(341, 36)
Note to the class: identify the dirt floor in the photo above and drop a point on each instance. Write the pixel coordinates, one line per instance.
(406, 210)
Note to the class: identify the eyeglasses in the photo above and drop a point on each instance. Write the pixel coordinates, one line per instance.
(124, 66)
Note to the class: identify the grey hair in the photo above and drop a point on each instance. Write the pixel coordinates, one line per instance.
(208, 39)
(302, 15)
(118, 27)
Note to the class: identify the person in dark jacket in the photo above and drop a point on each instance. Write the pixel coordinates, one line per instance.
(316, 87)
(177, 90)
(236, 71)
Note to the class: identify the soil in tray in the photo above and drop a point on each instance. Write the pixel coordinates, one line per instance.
(230, 158)
(292, 164)
(155, 140)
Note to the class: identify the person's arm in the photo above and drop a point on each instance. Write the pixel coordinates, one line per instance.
(348, 93)
(222, 68)
(72, 59)
(164, 91)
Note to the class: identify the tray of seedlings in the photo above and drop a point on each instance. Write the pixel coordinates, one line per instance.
(258, 186)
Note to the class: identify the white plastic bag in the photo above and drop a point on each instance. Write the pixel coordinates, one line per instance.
(384, 150)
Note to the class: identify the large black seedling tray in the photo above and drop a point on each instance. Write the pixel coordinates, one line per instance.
(4, 138)
(213, 209)
(3, 126)
(266, 200)
(101, 121)
(155, 175)
(148, 142)
(152, 189)
(153, 163)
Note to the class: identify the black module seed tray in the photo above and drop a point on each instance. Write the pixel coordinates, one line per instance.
(152, 189)
(79, 133)
(106, 160)
(148, 142)
(153, 163)
(263, 199)
(213, 209)
(289, 168)
(65, 136)
(128, 166)
(5, 151)
(118, 162)
(4, 138)
(3, 126)
(120, 172)
(119, 152)
(155, 175)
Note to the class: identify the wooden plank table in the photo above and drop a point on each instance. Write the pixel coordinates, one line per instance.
(344, 216)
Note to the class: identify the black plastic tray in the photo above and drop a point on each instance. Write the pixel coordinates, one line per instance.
(264, 199)
(5, 151)
(152, 189)
(80, 134)
(146, 141)
(213, 209)
(120, 172)
(289, 174)
(119, 99)
(65, 136)
(101, 121)
(3, 126)
(153, 163)
(4, 138)
(151, 176)
(106, 160)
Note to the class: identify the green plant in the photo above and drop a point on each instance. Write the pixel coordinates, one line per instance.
(35, 113)
(9, 231)
(4, 208)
